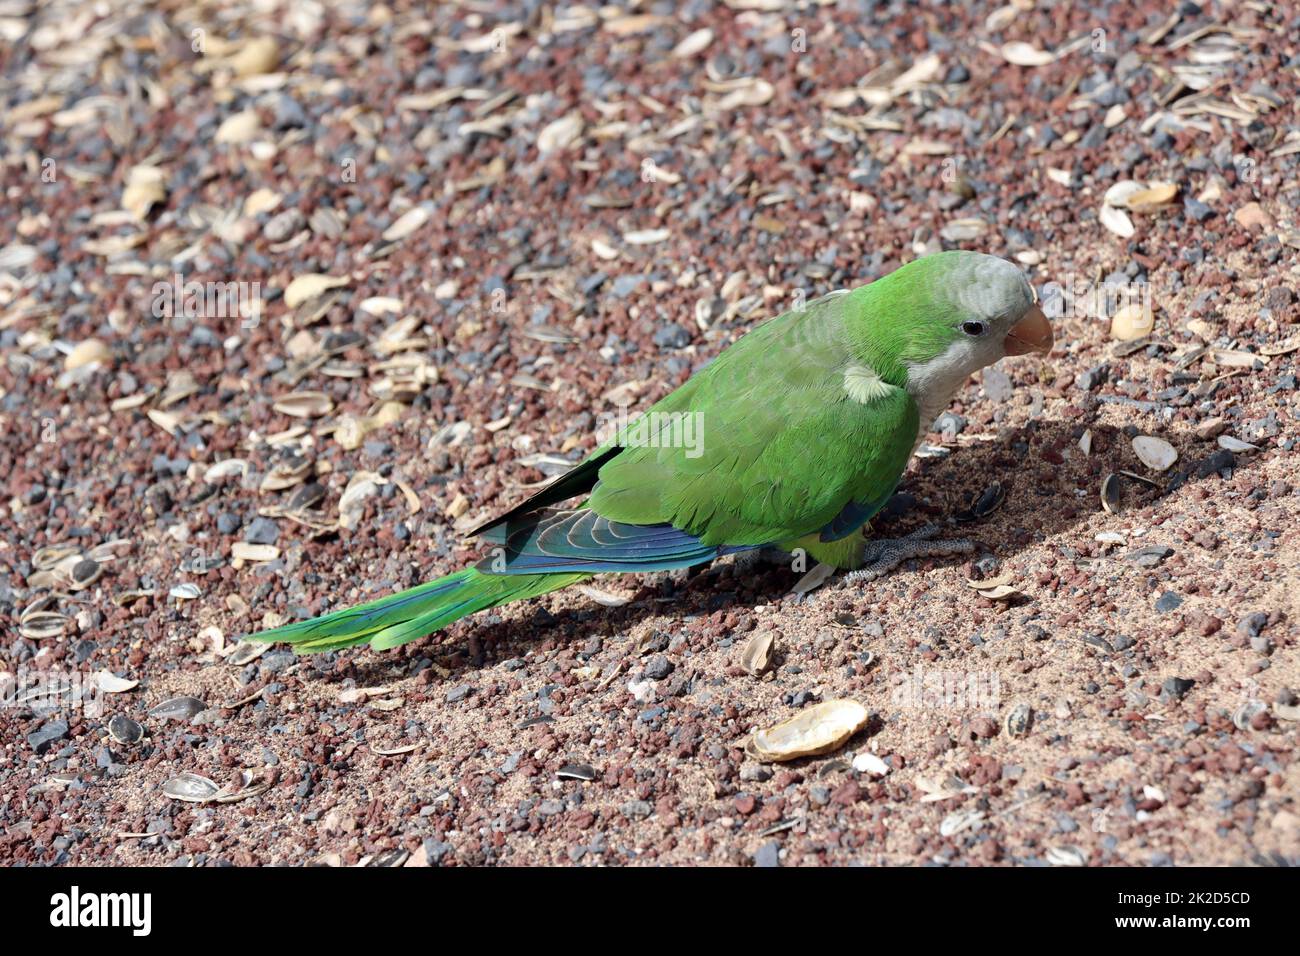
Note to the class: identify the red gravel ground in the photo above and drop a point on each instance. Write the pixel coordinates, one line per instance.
(532, 214)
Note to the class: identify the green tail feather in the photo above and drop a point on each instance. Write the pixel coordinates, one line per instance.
(408, 615)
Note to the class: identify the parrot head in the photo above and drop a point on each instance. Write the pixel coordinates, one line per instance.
(939, 319)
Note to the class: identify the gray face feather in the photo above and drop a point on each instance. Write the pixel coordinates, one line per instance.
(991, 290)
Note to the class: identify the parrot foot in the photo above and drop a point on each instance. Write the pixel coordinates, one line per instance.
(882, 556)
(754, 560)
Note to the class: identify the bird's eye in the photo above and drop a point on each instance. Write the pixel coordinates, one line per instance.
(973, 328)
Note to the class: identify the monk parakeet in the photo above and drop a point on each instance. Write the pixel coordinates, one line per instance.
(792, 437)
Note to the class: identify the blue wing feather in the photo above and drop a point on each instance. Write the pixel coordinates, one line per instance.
(585, 541)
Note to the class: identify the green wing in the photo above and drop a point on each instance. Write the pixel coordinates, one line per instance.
(782, 447)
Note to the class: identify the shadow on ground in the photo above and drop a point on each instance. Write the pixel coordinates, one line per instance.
(1050, 487)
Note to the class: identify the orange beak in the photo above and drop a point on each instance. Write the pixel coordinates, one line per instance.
(1033, 333)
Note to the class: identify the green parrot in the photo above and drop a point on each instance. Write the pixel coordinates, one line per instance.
(793, 437)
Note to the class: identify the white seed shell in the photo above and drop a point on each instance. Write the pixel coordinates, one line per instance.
(818, 729)
(1156, 453)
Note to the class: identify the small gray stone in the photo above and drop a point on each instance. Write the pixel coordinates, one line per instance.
(459, 693)
(672, 336)
(769, 854)
(283, 225)
(658, 667)
(636, 809)
(261, 531)
(1169, 601)
(1196, 210)
(1151, 556)
(1093, 378)
(41, 740)
(624, 286)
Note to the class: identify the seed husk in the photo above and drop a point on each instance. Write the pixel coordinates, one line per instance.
(989, 500)
(243, 551)
(304, 405)
(1287, 711)
(306, 496)
(285, 476)
(87, 352)
(1112, 493)
(1020, 53)
(177, 708)
(1242, 716)
(693, 43)
(85, 573)
(815, 730)
(1131, 322)
(258, 55)
(560, 134)
(960, 820)
(1019, 720)
(45, 558)
(310, 286)
(1003, 592)
(190, 788)
(42, 625)
(1152, 198)
(110, 683)
(242, 652)
(757, 655)
(1116, 221)
(226, 468)
(125, 730)
(249, 784)
(1235, 444)
(1156, 453)
(392, 751)
(405, 224)
(1065, 856)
